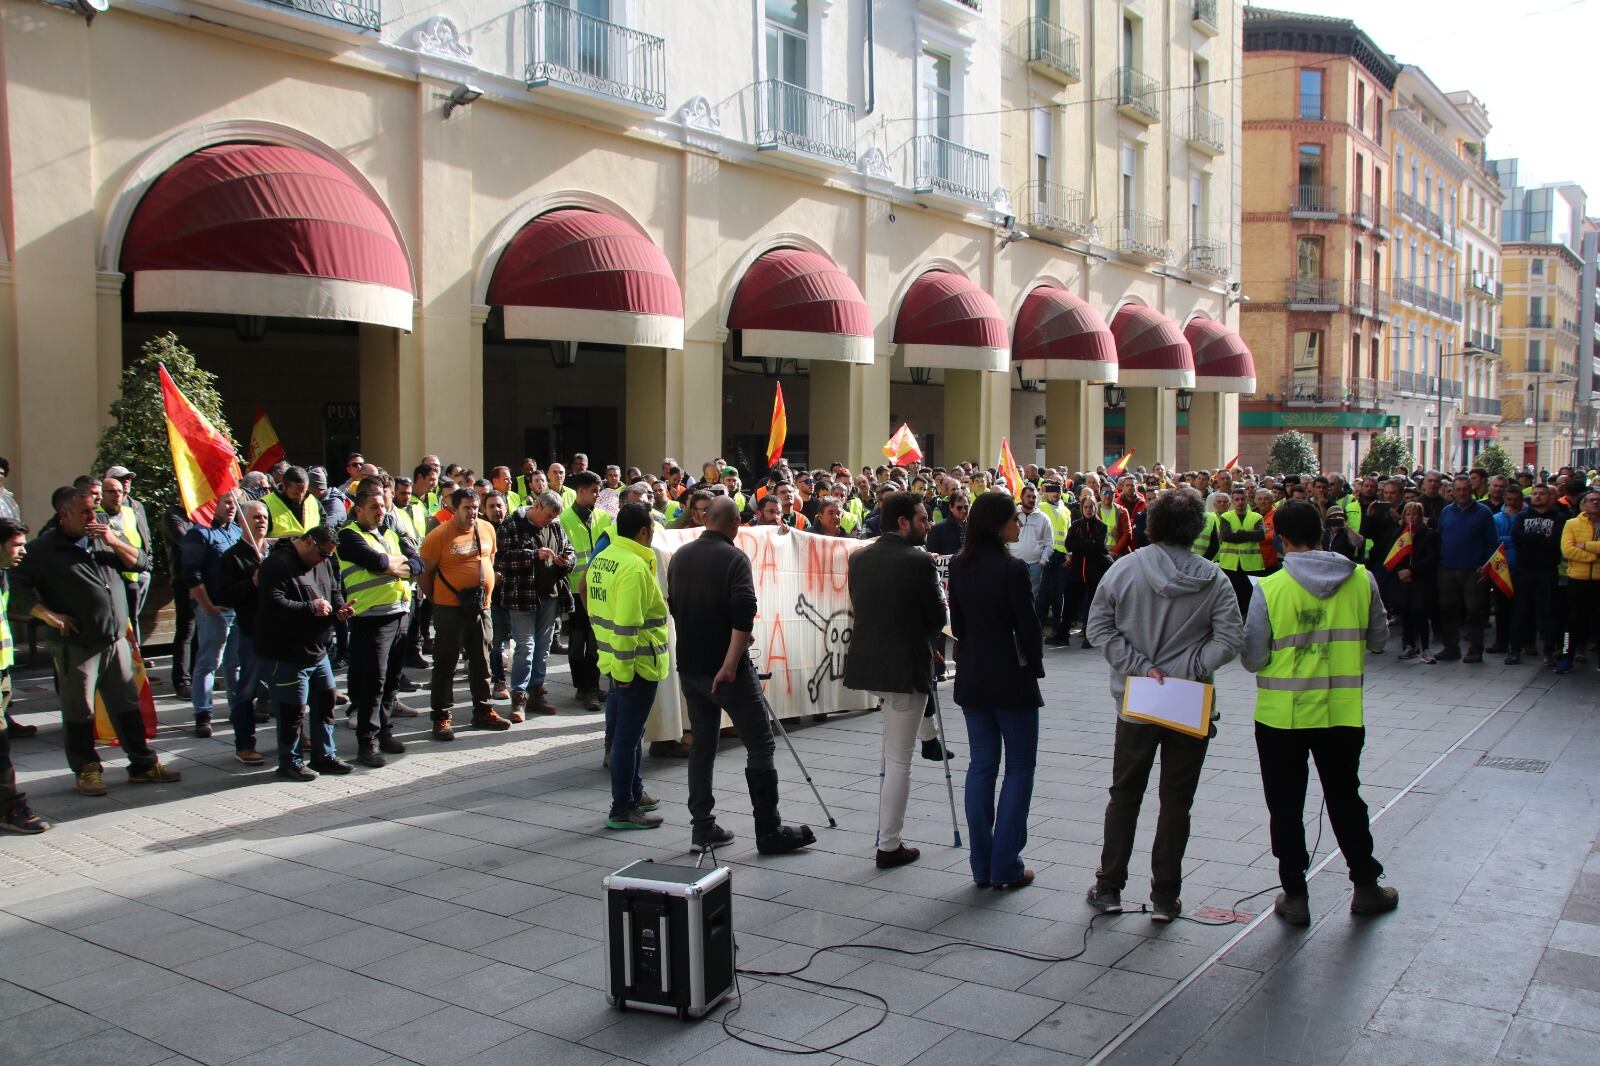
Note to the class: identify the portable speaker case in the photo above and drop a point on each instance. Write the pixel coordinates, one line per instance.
(669, 937)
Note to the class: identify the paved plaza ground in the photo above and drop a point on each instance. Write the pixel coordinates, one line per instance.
(445, 909)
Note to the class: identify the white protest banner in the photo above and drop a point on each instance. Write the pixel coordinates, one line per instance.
(803, 623)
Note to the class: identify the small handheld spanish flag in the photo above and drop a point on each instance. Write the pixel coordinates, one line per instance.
(1400, 552)
(1232, 463)
(779, 432)
(265, 447)
(1008, 468)
(1498, 570)
(1120, 467)
(901, 449)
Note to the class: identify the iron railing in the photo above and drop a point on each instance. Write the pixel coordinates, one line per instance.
(1381, 221)
(571, 48)
(1364, 298)
(1570, 328)
(1054, 46)
(1207, 255)
(1449, 388)
(362, 14)
(1413, 383)
(1205, 129)
(1313, 294)
(1308, 389)
(1047, 205)
(1483, 342)
(1314, 201)
(1418, 212)
(788, 116)
(1361, 211)
(1539, 322)
(954, 169)
(1137, 93)
(1483, 405)
(1371, 393)
(1485, 284)
(1140, 234)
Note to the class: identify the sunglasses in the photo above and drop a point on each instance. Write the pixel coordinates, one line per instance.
(327, 554)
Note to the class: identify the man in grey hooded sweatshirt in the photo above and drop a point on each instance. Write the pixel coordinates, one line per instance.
(1160, 612)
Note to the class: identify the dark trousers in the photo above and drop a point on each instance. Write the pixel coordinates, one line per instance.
(1536, 610)
(456, 634)
(377, 652)
(997, 835)
(182, 639)
(302, 691)
(1135, 753)
(10, 798)
(499, 638)
(746, 705)
(1242, 590)
(1500, 607)
(242, 700)
(1075, 603)
(1051, 581)
(629, 708)
(1337, 751)
(418, 623)
(1414, 626)
(582, 655)
(109, 673)
(1583, 600)
(1463, 605)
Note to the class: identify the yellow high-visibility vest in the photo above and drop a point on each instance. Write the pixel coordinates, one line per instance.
(1314, 678)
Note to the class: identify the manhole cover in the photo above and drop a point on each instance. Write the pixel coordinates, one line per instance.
(1506, 762)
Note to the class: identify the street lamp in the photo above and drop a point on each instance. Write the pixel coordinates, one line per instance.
(1438, 443)
(1538, 379)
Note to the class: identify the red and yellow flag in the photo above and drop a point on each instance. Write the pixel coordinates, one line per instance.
(1008, 468)
(780, 427)
(265, 447)
(1231, 462)
(104, 734)
(203, 459)
(1120, 467)
(1400, 552)
(1498, 570)
(901, 449)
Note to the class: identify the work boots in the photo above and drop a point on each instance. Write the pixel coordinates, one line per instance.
(772, 836)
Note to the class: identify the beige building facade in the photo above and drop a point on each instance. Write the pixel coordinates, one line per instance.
(748, 149)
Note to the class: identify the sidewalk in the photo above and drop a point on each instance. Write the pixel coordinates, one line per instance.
(445, 908)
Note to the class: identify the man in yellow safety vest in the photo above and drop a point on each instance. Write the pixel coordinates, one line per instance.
(1240, 531)
(376, 572)
(15, 816)
(1306, 639)
(292, 508)
(124, 520)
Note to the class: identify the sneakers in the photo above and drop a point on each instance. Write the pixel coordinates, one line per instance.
(516, 717)
(1428, 657)
(401, 710)
(632, 818)
(1408, 652)
(668, 749)
(442, 729)
(491, 720)
(389, 745)
(499, 691)
(202, 727)
(1514, 659)
(1022, 882)
(714, 837)
(335, 766)
(21, 820)
(296, 771)
(1296, 910)
(405, 684)
(1374, 899)
(249, 756)
(933, 752)
(370, 756)
(154, 774)
(89, 782)
(646, 802)
(594, 701)
(1105, 900)
(1164, 911)
(888, 860)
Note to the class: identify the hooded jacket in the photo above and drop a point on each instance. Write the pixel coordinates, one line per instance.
(1321, 574)
(287, 629)
(1164, 607)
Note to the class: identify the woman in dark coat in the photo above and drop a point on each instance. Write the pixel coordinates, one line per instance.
(997, 687)
(1415, 581)
(1088, 559)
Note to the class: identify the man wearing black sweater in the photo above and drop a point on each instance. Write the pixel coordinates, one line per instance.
(711, 595)
(300, 599)
(1536, 608)
(236, 589)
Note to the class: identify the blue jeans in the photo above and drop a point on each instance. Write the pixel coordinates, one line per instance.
(218, 647)
(500, 636)
(628, 708)
(293, 688)
(996, 836)
(531, 633)
(242, 697)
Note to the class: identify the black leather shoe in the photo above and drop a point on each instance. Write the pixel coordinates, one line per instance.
(330, 766)
(888, 860)
(202, 727)
(296, 772)
(715, 837)
(934, 753)
(389, 745)
(371, 757)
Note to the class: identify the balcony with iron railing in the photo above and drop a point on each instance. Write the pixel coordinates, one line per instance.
(1308, 389)
(1313, 294)
(1370, 393)
(1205, 17)
(946, 168)
(1314, 201)
(1050, 49)
(1361, 210)
(1381, 222)
(361, 14)
(1449, 388)
(1140, 235)
(1412, 383)
(1483, 284)
(1367, 300)
(1418, 212)
(1137, 95)
(1205, 130)
(1570, 328)
(1207, 255)
(1483, 405)
(1483, 342)
(1046, 205)
(1539, 322)
(789, 118)
(571, 50)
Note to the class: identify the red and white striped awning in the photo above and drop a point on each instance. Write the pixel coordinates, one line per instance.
(1151, 349)
(1222, 361)
(1061, 338)
(947, 321)
(577, 275)
(795, 304)
(261, 229)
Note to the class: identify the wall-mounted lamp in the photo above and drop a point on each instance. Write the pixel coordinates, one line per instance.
(461, 96)
(1028, 384)
(771, 367)
(921, 375)
(1185, 399)
(564, 354)
(1116, 396)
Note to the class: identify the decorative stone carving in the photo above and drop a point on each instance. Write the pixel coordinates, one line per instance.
(697, 114)
(874, 164)
(439, 36)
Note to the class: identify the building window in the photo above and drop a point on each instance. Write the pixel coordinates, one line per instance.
(1377, 192)
(1308, 257)
(1307, 361)
(1377, 120)
(788, 25)
(1537, 268)
(1310, 165)
(936, 94)
(1311, 94)
(1372, 359)
(1197, 205)
(1536, 356)
(1130, 41)
(1411, 348)
(1129, 190)
(1043, 146)
(1361, 105)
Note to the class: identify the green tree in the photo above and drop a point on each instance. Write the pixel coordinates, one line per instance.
(1292, 453)
(1494, 459)
(1386, 452)
(137, 436)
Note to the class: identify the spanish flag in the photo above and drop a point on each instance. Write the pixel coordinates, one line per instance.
(1498, 570)
(203, 458)
(265, 447)
(1120, 467)
(104, 734)
(1231, 462)
(780, 428)
(1400, 552)
(901, 449)
(1008, 468)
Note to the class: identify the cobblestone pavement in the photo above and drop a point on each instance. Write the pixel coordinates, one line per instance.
(445, 908)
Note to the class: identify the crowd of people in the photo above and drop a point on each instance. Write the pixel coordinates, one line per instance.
(299, 577)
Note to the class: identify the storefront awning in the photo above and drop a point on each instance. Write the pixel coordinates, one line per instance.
(576, 275)
(259, 229)
(1151, 350)
(1061, 338)
(947, 321)
(1222, 362)
(794, 304)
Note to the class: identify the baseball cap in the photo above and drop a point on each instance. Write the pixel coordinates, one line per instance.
(119, 472)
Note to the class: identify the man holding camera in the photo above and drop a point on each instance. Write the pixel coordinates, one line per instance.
(458, 576)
